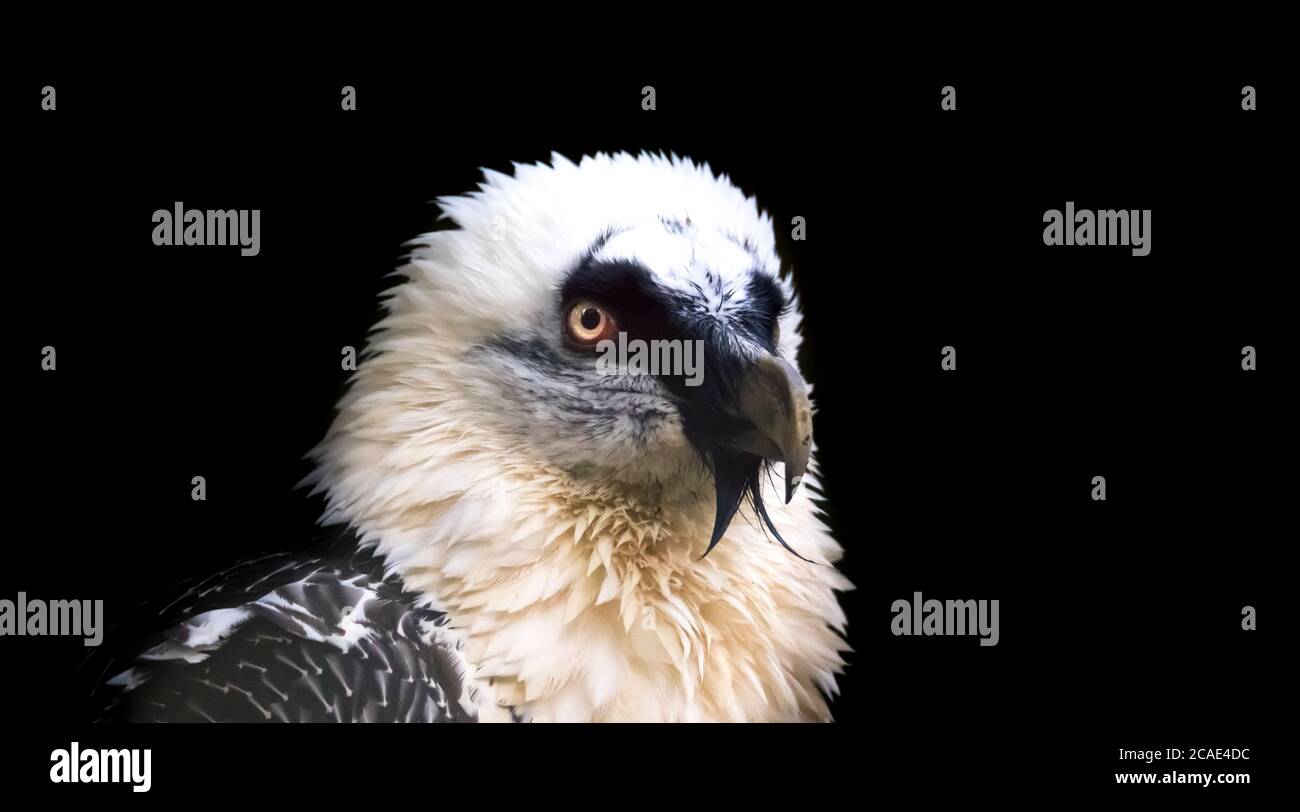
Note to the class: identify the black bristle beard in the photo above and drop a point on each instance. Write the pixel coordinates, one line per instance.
(737, 476)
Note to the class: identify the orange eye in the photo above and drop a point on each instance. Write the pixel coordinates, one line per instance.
(587, 324)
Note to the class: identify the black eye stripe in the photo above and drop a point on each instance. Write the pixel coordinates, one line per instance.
(644, 309)
(628, 292)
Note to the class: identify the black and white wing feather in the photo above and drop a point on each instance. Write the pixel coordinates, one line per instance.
(289, 638)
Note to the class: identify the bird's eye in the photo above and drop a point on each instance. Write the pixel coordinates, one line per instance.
(587, 324)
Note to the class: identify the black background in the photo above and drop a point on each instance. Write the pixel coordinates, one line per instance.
(1120, 621)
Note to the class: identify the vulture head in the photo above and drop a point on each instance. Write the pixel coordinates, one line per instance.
(601, 355)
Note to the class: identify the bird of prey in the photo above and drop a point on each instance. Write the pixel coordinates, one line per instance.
(519, 534)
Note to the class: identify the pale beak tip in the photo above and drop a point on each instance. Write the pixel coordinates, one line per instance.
(791, 485)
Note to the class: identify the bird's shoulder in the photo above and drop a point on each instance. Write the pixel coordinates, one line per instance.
(291, 637)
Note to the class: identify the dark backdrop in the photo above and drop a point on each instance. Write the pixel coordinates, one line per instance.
(1120, 621)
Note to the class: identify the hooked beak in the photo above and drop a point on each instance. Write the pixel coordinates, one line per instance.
(773, 400)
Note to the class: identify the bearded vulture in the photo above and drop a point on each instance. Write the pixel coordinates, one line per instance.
(516, 533)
